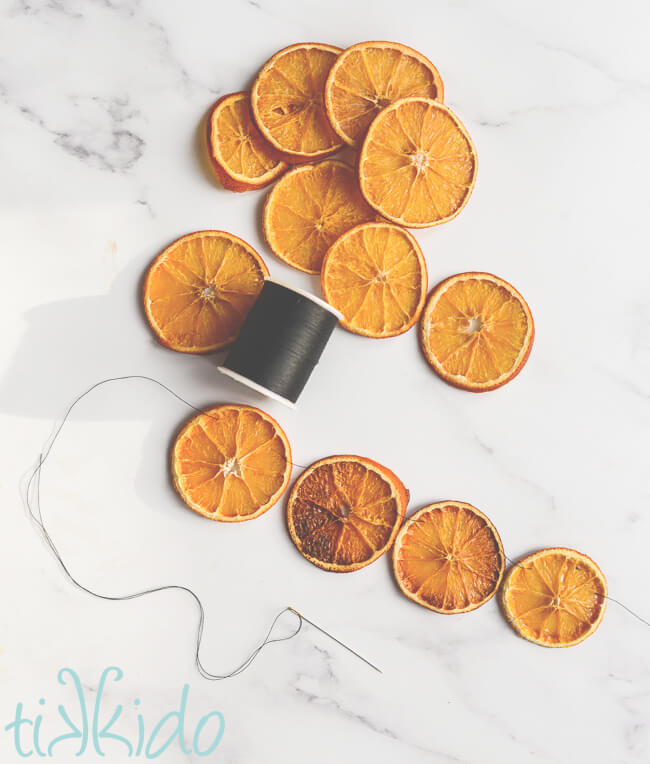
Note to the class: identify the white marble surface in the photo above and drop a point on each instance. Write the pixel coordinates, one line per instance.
(100, 106)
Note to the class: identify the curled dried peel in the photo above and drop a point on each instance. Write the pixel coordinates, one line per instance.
(231, 463)
(344, 511)
(240, 156)
(555, 597)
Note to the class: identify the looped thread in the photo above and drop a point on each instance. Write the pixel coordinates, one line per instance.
(32, 500)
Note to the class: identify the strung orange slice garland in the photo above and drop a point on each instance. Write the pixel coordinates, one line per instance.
(376, 275)
(231, 463)
(344, 511)
(240, 156)
(199, 290)
(555, 597)
(448, 557)
(417, 168)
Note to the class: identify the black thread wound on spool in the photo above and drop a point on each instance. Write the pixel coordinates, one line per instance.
(281, 341)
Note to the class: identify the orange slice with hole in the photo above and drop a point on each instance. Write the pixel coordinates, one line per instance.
(287, 102)
(199, 290)
(376, 276)
(417, 165)
(344, 511)
(369, 76)
(309, 208)
(555, 597)
(476, 331)
(448, 557)
(231, 463)
(240, 156)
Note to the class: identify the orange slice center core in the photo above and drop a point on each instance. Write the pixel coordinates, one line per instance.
(208, 293)
(474, 325)
(232, 467)
(420, 160)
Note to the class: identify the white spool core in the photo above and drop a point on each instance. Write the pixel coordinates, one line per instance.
(255, 386)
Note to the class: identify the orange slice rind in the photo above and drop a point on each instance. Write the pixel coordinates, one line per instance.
(231, 463)
(476, 331)
(417, 165)
(369, 76)
(448, 557)
(555, 597)
(376, 276)
(309, 208)
(198, 291)
(287, 102)
(344, 511)
(240, 156)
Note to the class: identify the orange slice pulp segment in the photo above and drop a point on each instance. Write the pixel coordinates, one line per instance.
(231, 463)
(476, 331)
(287, 102)
(369, 76)
(240, 156)
(555, 597)
(448, 557)
(309, 208)
(417, 165)
(344, 511)
(376, 276)
(198, 291)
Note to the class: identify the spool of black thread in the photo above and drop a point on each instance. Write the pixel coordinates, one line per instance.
(281, 341)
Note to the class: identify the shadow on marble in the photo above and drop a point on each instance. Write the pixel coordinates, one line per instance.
(201, 151)
(70, 345)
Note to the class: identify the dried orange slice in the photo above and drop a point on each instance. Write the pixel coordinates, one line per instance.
(240, 156)
(448, 557)
(344, 512)
(417, 165)
(369, 76)
(287, 102)
(476, 331)
(231, 463)
(309, 208)
(376, 276)
(198, 291)
(555, 597)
